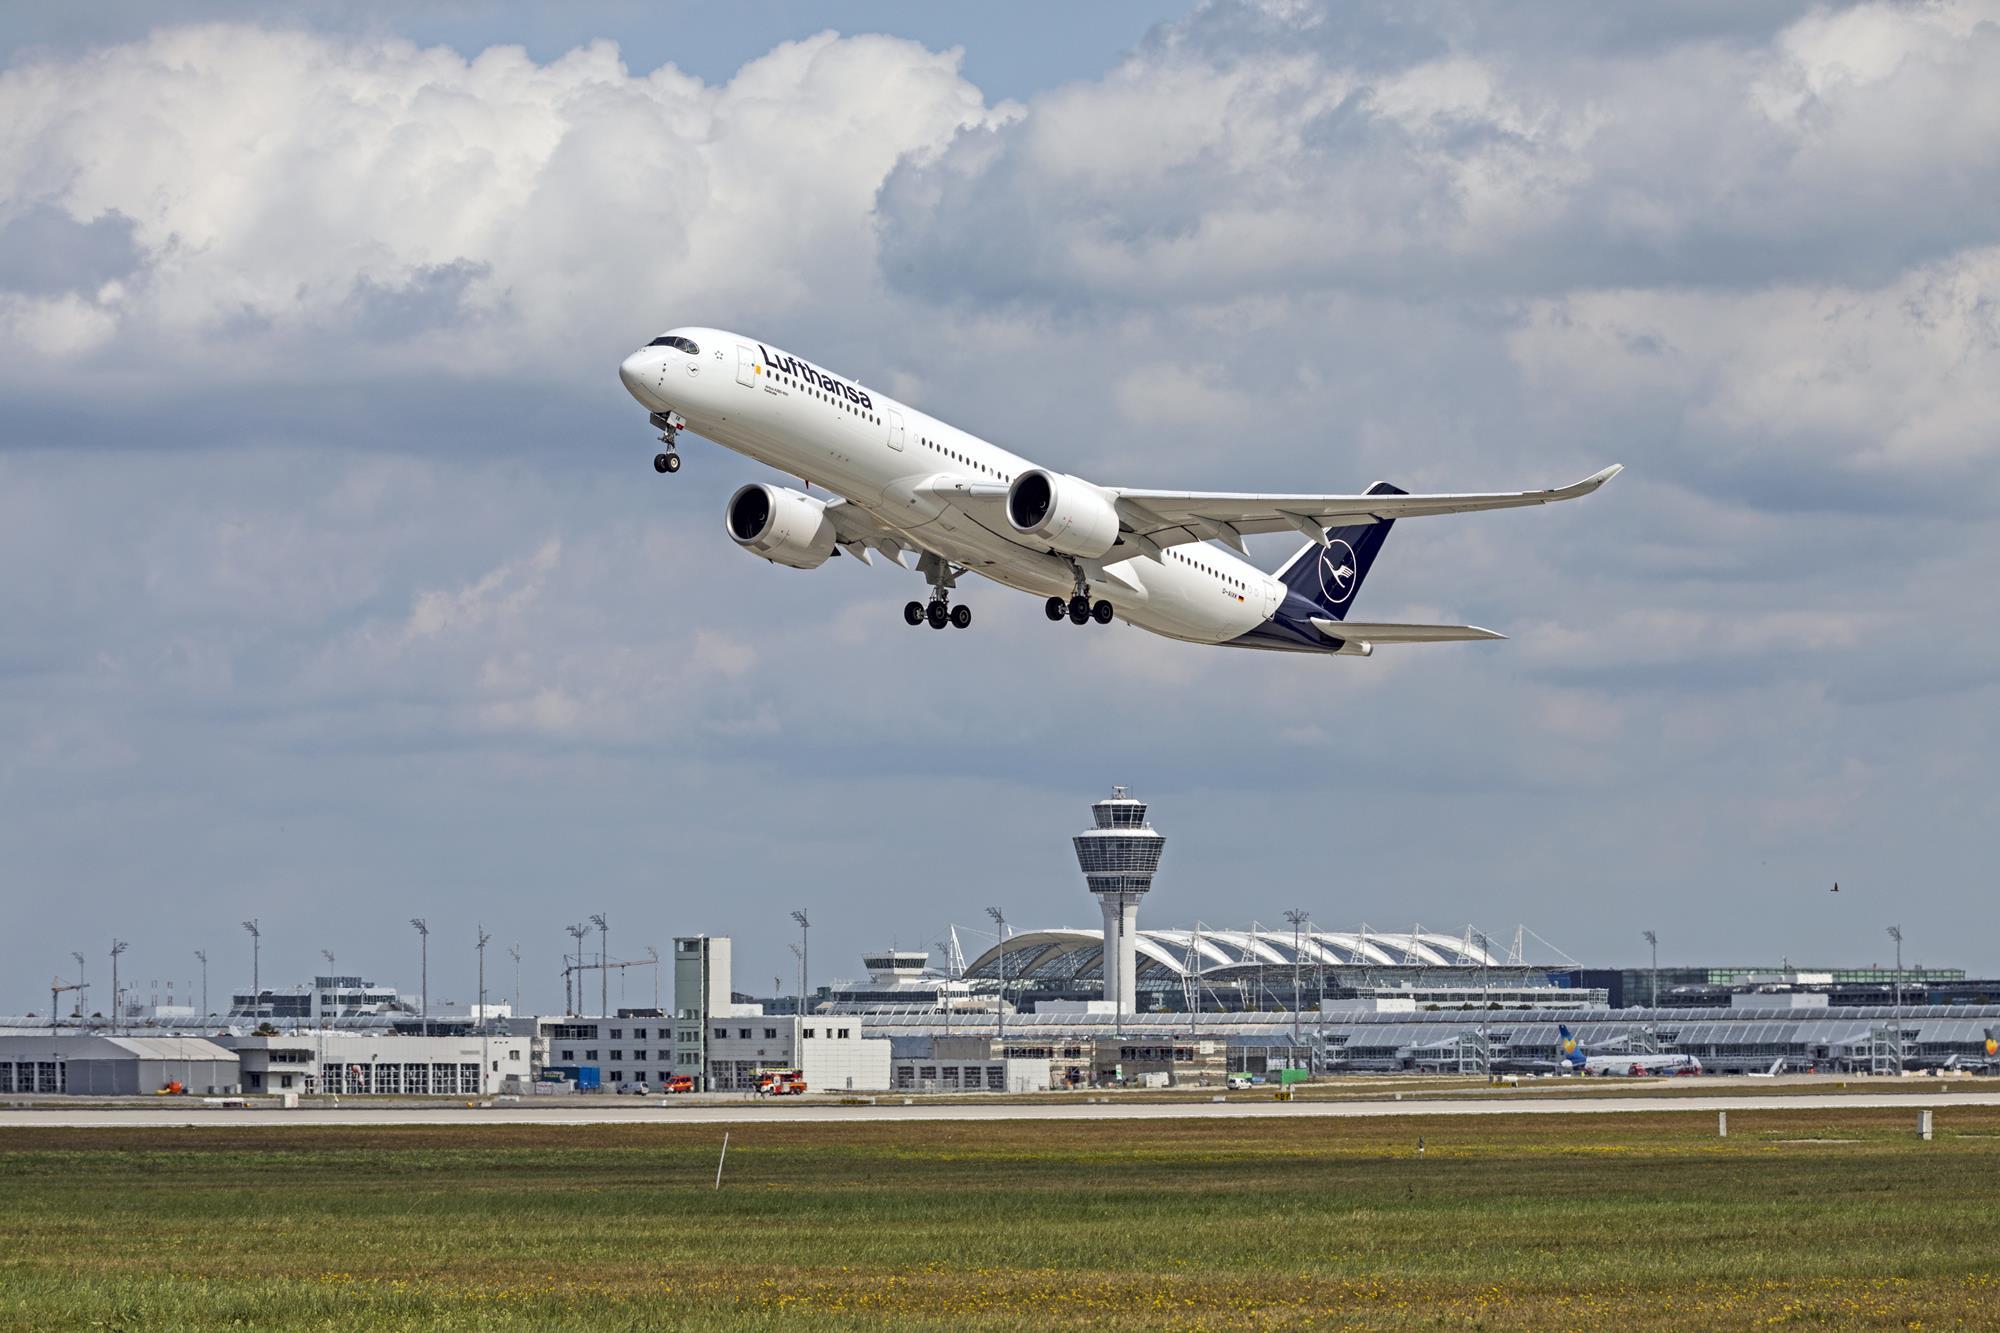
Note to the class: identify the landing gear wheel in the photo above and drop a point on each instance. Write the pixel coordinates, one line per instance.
(937, 615)
(1079, 609)
(961, 616)
(666, 462)
(1057, 608)
(913, 613)
(1101, 613)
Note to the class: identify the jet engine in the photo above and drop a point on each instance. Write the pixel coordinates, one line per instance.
(1071, 515)
(784, 526)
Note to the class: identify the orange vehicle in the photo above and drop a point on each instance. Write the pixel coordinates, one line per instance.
(780, 1083)
(680, 1083)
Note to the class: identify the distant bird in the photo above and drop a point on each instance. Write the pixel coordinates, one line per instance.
(1836, 886)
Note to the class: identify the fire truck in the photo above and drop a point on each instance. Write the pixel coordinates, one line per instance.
(680, 1083)
(780, 1083)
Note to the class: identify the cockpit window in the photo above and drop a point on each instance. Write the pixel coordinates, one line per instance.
(678, 344)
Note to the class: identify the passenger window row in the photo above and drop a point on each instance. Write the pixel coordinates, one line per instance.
(954, 455)
(826, 397)
(1211, 572)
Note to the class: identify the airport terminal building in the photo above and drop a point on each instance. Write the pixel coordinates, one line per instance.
(1203, 1048)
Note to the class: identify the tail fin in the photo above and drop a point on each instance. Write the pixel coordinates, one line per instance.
(1569, 1048)
(1328, 576)
(1992, 1043)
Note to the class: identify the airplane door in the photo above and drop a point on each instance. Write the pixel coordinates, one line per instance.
(895, 430)
(747, 368)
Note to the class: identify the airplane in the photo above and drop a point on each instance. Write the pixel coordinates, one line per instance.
(906, 483)
(1571, 1059)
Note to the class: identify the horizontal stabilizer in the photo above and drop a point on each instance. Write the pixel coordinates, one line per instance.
(1355, 630)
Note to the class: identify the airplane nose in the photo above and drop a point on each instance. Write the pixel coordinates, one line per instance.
(634, 371)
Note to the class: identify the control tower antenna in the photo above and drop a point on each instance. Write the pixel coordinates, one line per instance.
(1119, 857)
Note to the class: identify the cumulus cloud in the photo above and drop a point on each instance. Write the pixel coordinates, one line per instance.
(1896, 381)
(1283, 156)
(286, 192)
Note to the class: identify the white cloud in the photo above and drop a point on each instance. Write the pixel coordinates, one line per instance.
(308, 187)
(499, 595)
(1299, 164)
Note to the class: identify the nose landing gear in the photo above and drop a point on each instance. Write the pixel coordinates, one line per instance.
(670, 425)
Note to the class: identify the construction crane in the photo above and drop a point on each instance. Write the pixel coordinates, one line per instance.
(578, 968)
(57, 986)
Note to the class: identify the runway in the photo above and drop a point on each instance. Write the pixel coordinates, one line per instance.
(625, 1113)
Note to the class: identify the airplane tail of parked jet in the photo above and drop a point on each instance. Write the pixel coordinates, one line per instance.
(1329, 574)
(1569, 1051)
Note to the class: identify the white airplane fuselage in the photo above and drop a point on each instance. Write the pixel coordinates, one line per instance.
(900, 464)
(1625, 1066)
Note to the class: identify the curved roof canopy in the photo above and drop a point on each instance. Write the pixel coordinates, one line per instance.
(1170, 955)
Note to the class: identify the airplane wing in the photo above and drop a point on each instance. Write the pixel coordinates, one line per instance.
(1173, 518)
(858, 532)
(1367, 632)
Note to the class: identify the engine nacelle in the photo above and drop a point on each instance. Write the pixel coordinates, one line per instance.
(1071, 515)
(784, 526)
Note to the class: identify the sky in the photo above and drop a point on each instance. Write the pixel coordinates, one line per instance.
(338, 587)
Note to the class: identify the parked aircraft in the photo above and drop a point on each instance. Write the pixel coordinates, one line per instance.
(1572, 1058)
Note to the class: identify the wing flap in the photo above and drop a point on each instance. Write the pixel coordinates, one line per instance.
(1370, 632)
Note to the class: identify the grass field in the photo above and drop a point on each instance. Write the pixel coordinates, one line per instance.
(1642, 1221)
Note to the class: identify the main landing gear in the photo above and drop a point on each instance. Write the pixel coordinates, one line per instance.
(1079, 609)
(938, 612)
(670, 425)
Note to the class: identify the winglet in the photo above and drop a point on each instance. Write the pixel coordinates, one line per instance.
(1593, 481)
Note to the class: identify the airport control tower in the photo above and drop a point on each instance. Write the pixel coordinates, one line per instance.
(1118, 858)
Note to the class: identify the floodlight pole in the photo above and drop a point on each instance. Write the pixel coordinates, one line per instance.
(1896, 934)
(82, 988)
(573, 976)
(1000, 1009)
(1298, 917)
(514, 950)
(202, 954)
(319, 1073)
(946, 991)
(485, 1056)
(603, 964)
(1485, 1005)
(117, 947)
(332, 984)
(256, 986)
(424, 971)
(805, 956)
(1653, 942)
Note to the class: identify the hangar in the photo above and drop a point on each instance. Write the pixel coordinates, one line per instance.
(113, 1066)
